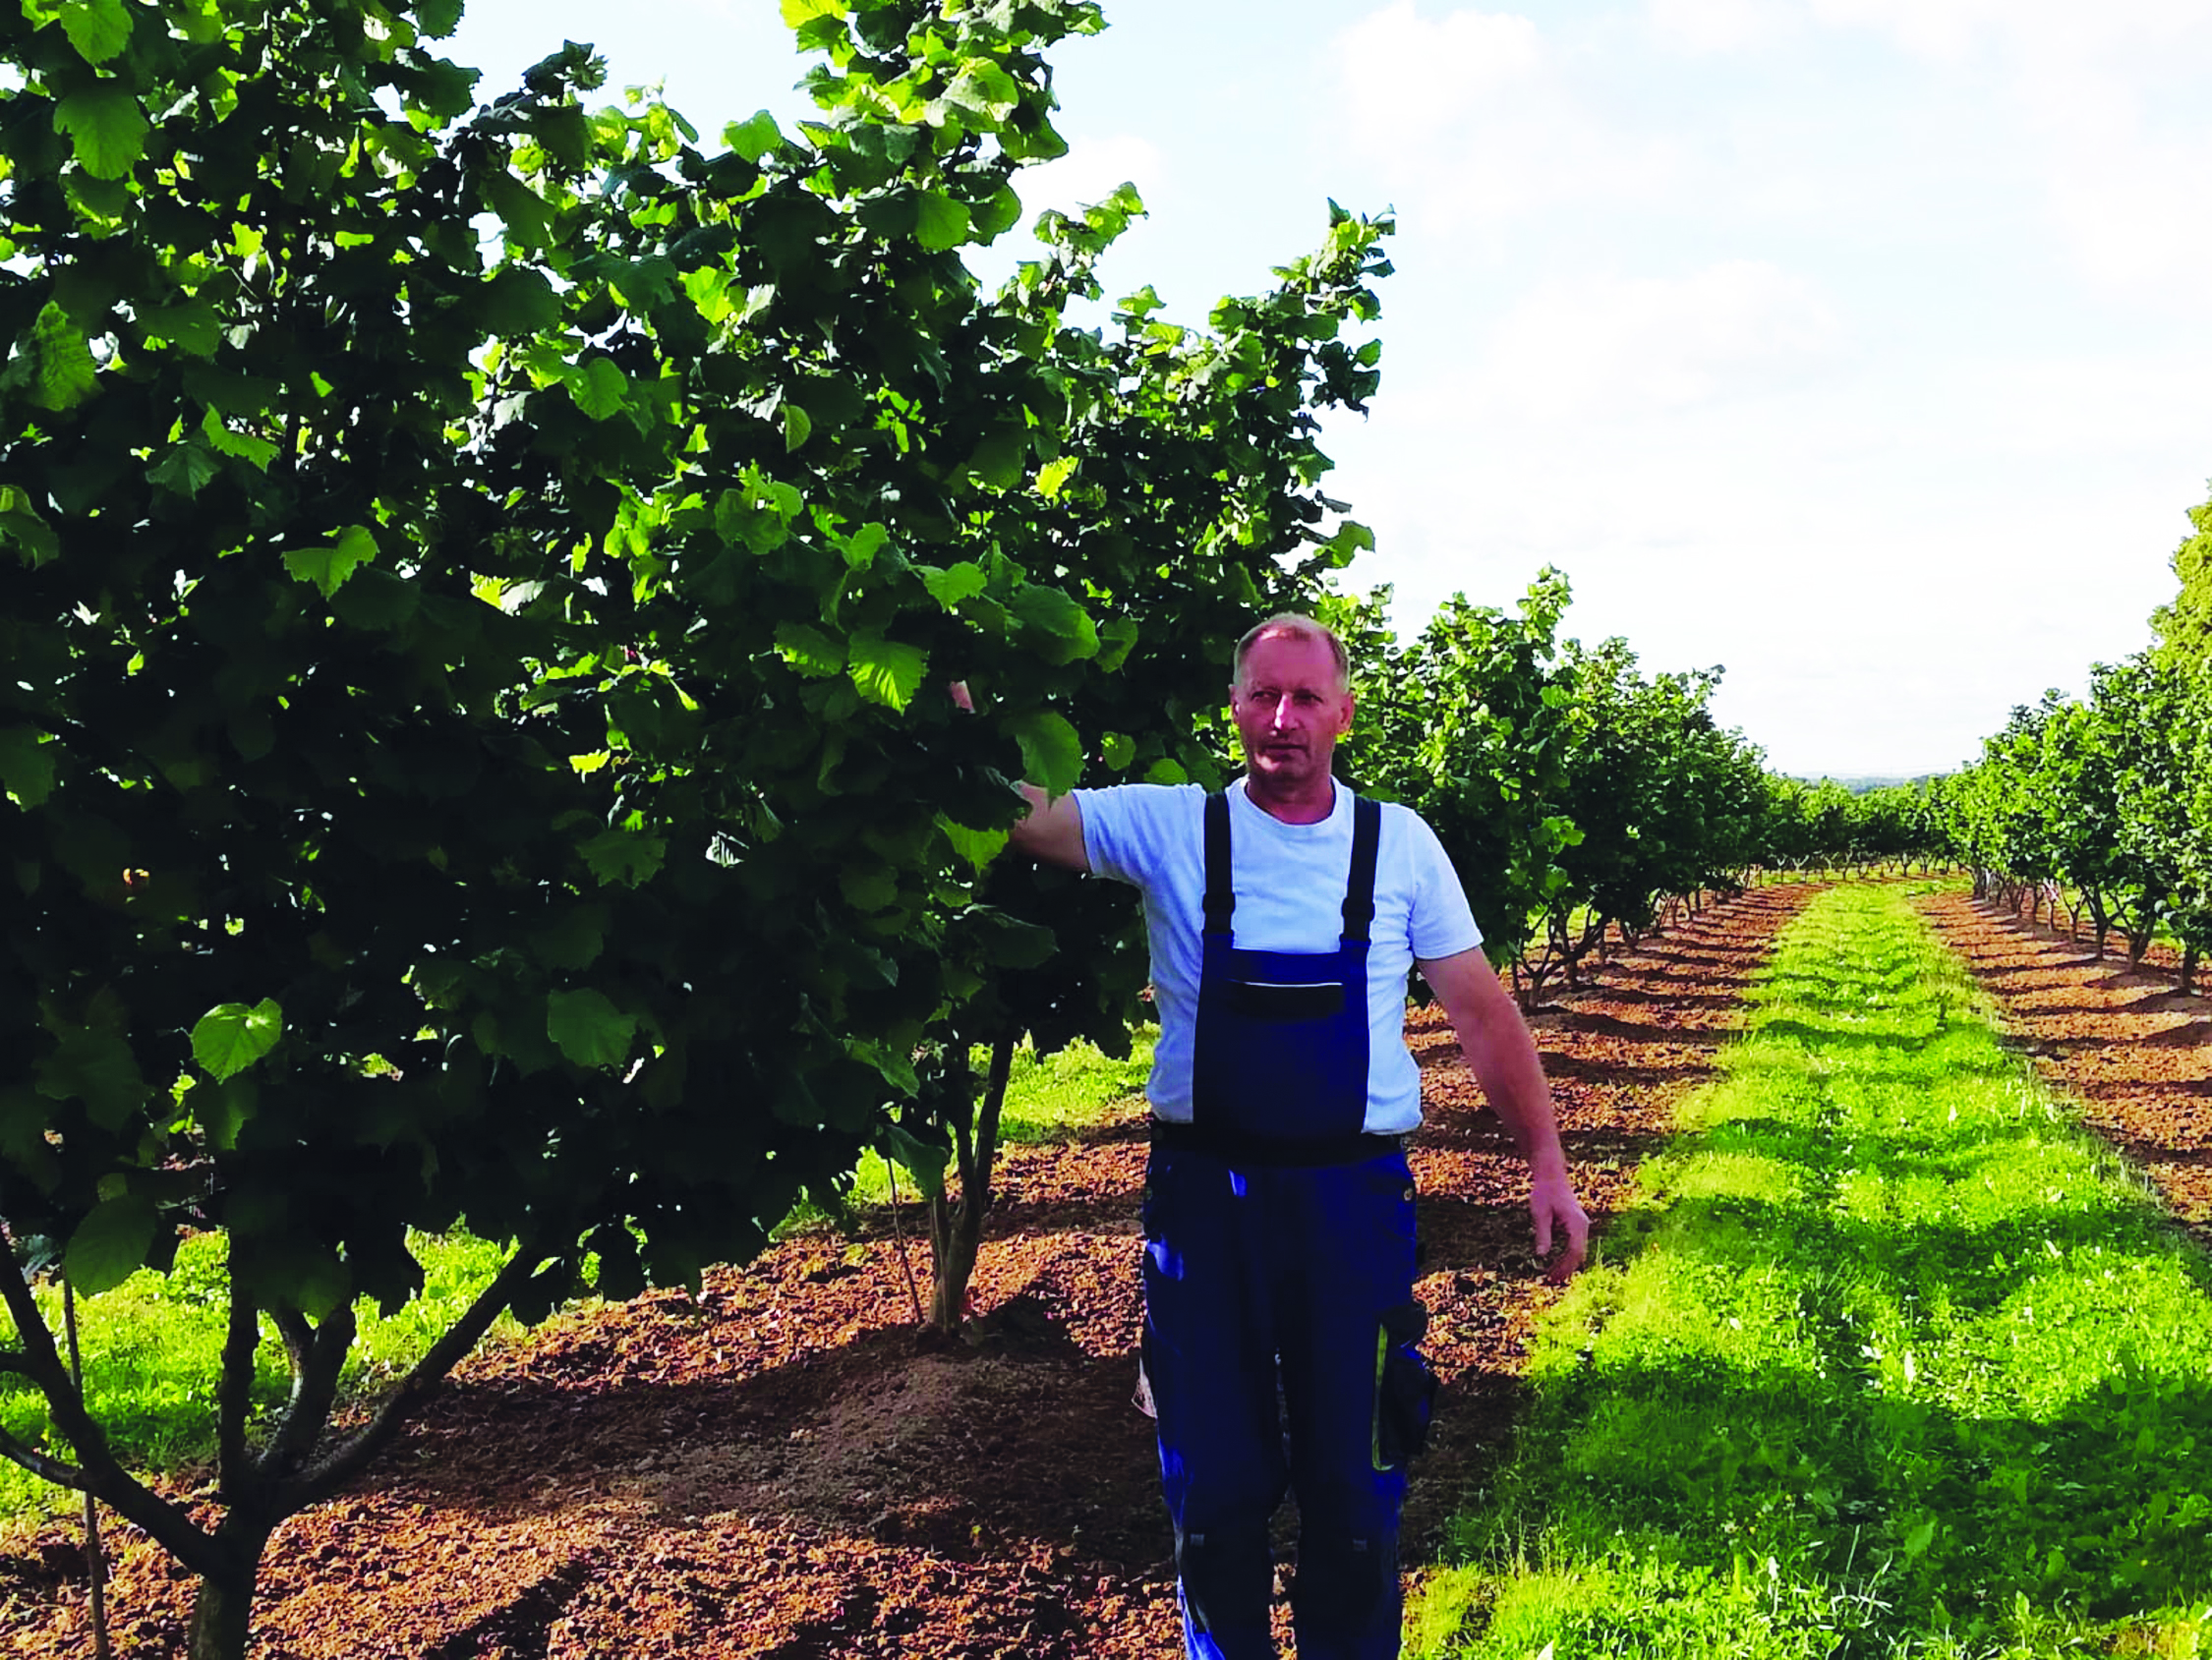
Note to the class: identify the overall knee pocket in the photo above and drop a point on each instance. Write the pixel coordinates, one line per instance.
(1228, 1576)
(1342, 1576)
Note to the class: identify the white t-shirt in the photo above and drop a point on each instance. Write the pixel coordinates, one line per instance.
(1289, 881)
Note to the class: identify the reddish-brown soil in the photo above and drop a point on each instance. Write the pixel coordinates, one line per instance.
(776, 1469)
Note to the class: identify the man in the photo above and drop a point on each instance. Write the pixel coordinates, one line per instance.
(1283, 916)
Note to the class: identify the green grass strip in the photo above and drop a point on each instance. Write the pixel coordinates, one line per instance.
(1891, 1358)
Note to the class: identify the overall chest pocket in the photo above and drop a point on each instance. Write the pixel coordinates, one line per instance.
(1279, 1000)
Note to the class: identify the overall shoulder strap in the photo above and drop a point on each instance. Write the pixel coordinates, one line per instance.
(1221, 897)
(1359, 892)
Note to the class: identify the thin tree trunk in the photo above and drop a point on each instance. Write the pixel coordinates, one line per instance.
(95, 1558)
(222, 1609)
(955, 1228)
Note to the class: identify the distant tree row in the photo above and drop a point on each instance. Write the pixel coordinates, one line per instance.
(2104, 803)
(1574, 792)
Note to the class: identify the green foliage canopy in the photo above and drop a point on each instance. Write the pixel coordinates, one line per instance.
(472, 751)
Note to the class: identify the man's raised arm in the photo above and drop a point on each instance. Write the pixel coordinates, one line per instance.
(1053, 827)
(1053, 830)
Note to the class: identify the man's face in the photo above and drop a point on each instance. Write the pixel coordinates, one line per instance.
(1290, 709)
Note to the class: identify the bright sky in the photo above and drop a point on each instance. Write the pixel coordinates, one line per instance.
(1862, 346)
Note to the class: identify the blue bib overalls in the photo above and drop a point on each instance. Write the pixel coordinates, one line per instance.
(1280, 1248)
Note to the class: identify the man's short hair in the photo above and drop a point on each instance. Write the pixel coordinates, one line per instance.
(1292, 622)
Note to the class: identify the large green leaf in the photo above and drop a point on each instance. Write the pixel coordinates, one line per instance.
(616, 855)
(110, 1244)
(949, 587)
(998, 459)
(106, 126)
(809, 651)
(940, 222)
(977, 846)
(53, 364)
(519, 300)
(1057, 628)
(526, 214)
(255, 452)
(95, 1065)
(193, 327)
(868, 889)
(1009, 943)
(983, 88)
(754, 136)
(1051, 755)
(329, 567)
(924, 1161)
(600, 388)
(231, 1037)
(99, 30)
(992, 217)
(573, 940)
(27, 765)
(26, 527)
(588, 1029)
(886, 672)
(187, 469)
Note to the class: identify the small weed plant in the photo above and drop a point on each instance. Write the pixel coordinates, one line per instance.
(1890, 1359)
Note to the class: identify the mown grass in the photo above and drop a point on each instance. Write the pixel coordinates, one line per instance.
(1890, 1359)
(152, 1347)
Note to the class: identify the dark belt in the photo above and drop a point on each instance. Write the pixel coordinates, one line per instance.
(1291, 1152)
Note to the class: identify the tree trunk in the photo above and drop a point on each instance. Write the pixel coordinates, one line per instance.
(222, 1609)
(955, 1228)
(2187, 983)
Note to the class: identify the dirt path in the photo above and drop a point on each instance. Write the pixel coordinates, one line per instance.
(774, 1470)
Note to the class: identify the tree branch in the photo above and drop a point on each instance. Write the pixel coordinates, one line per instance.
(39, 1465)
(97, 1470)
(347, 1460)
(975, 1190)
(299, 1337)
(314, 1387)
(234, 1390)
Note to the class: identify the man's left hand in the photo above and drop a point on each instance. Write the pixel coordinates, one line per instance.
(1552, 1200)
